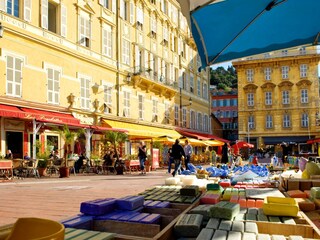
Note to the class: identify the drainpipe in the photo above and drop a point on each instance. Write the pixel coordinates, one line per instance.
(117, 58)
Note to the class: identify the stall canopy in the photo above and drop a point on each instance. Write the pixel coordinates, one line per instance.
(201, 136)
(224, 30)
(138, 131)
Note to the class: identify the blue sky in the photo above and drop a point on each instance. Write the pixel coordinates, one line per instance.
(224, 65)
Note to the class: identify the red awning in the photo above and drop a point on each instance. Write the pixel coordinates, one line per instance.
(10, 111)
(51, 117)
(315, 140)
(201, 136)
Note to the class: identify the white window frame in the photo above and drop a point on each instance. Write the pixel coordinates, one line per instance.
(84, 29)
(268, 98)
(141, 106)
(107, 41)
(269, 121)
(249, 74)
(286, 121)
(107, 97)
(155, 110)
(200, 125)
(303, 70)
(285, 72)
(85, 85)
(184, 117)
(15, 84)
(125, 52)
(285, 97)
(304, 96)
(198, 87)
(305, 120)
(54, 84)
(251, 122)
(267, 73)
(176, 115)
(250, 99)
(126, 103)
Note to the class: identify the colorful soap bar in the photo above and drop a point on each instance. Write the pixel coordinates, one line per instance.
(191, 190)
(305, 204)
(225, 210)
(213, 223)
(153, 218)
(296, 194)
(79, 221)
(210, 198)
(98, 207)
(188, 225)
(203, 209)
(205, 234)
(130, 202)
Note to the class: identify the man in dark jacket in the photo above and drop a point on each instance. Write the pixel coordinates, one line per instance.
(177, 153)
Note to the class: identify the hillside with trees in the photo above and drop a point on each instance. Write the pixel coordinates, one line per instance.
(224, 79)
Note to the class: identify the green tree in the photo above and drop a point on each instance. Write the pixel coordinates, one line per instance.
(115, 138)
(225, 79)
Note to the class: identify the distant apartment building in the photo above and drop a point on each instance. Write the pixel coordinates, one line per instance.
(278, 100)
(224, 106)
(100, 65)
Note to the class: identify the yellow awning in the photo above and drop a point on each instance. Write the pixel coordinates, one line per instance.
(141, 131)
(214, 143)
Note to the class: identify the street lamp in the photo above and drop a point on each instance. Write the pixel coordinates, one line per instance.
(181, 106)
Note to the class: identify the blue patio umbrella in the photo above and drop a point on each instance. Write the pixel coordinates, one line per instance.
(224, 30)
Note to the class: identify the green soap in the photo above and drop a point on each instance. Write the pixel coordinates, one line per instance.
(274, 219)
(288, 220)
(205, 234)
(213, 223)
(191, 190)
(262, 218)
(224, 210)
(173, 198)
(180, 199)
(253, 211)
(189, 199)
(188, 225)
(204, 210)
(251, 217)
(214, 186)
(225, 225)
(315, 192)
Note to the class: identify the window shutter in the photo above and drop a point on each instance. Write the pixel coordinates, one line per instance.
(162, 5)
(151, 63)
(137, 58)
(122, 9)
(159, 68)
(63, 21)
(3, 5)
(27, 10)
(139, 15)
(114, 6)
(101, 2)
(131, 13)
(44, 14)
(146, 60)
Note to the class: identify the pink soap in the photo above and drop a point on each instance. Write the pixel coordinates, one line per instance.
(225, 184)
(244, 186)
(237, 186)
(249, 186)
(234, 198)
(259, 203)
(210, 199)
(243, 202)
(251, 203)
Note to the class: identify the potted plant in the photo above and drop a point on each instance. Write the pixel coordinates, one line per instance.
(147, 163)
(42, 166)
(43, 158)
(116, 139)
(68, 137)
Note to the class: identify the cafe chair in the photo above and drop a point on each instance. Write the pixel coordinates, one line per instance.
(32, 168)
(70, 165)
(111, 168)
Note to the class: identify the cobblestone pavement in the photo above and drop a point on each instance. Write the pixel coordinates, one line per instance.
(59, 198)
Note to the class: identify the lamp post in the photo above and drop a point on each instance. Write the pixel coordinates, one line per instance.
(181, 106)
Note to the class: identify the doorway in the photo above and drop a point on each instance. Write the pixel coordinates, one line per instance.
(14, 142)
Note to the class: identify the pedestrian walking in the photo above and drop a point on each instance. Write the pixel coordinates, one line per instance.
(170, 160)
(187, 151)
(177, 154)
(142, 154)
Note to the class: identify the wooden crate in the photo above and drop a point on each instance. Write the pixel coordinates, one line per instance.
(139, 231)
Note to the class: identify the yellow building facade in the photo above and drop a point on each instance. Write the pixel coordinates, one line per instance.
(278, 96)
(105, 63)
